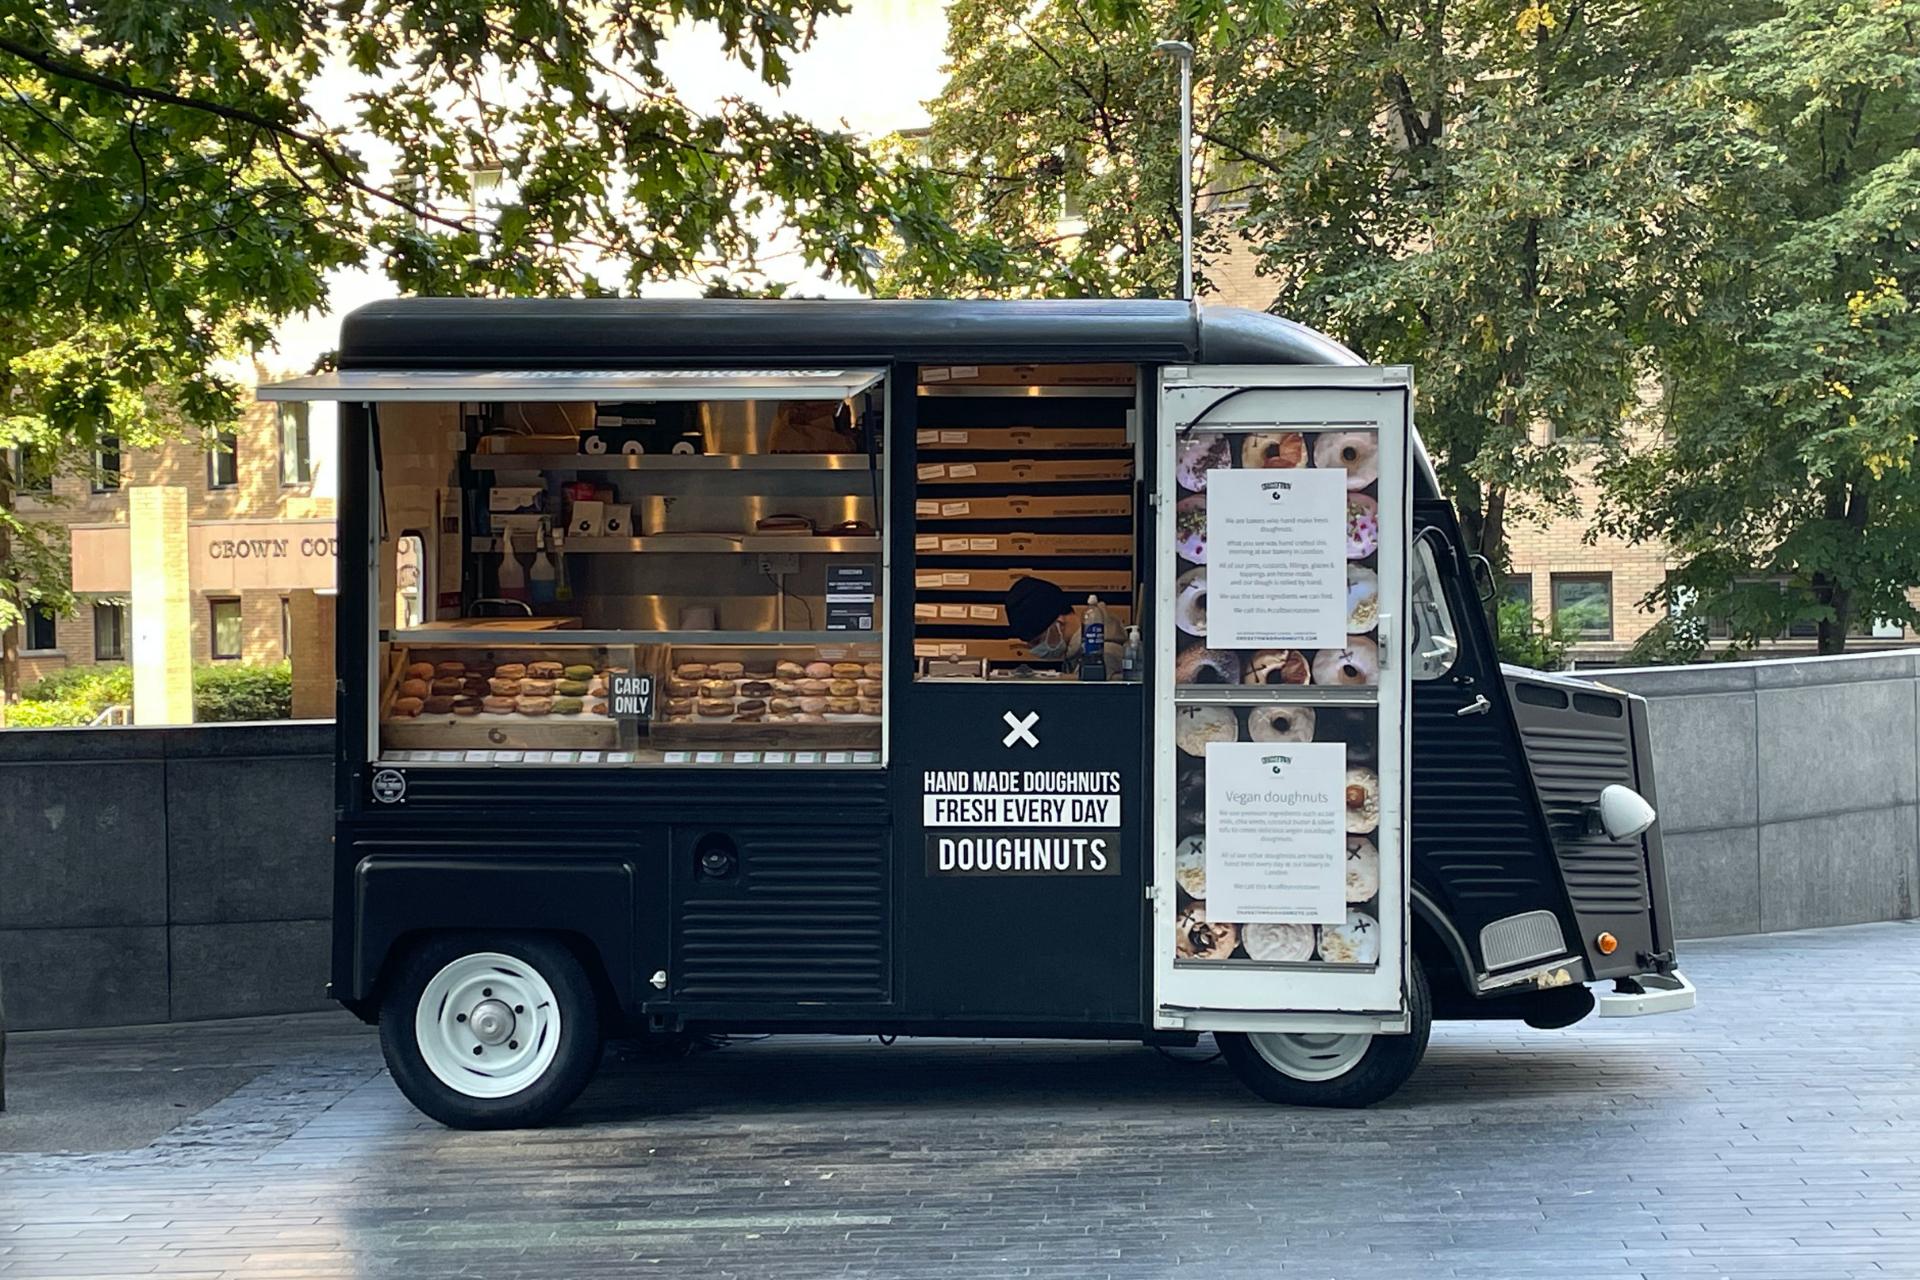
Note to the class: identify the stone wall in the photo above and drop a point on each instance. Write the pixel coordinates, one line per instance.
(1789, 789)
(154, 875)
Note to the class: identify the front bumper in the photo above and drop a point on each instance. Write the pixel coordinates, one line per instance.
(1647, 993)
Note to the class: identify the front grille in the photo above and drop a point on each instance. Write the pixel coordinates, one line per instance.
(1531, 935)
(805, 918)
(1573, 755)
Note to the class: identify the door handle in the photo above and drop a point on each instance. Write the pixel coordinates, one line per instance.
(1478, 707)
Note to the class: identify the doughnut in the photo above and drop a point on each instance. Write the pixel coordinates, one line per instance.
(717, 688)
(1355, 942)
(813, 706)
(499, 704)
(820, 670)
(545, 670)
(789, 670)
(711, 707)
(691, 670)
(438, 706)
(504, 685)
(873, 670)
(596, 708)
(1363, 802)
(1190, 528)
(1273, 449)
(782, 706)
(1195, 939)
(847, 670)
(1280, 724)
(1358, 663)
(752, 704)
(678, 688)
(1190, 866)
(579, 671)
(679, 706)
(568, 706)
(867, 688)
(408, 707)
(810, 686)
(1363, 526)
(1363, 599)
(759, 669)
(420, 671)
(843, 706)
(786, 686)
(533, 706)
(533, 688)
(1357, 452)
(725, 670)
(570, 688)
(415, 688)
(1200, 665)
(1190, 799)
(449, 685)
(843, 688)
(1190, 602)
(869, 706)
(451, 669)
(809, 717)
(1278, 666)
(1278, 942)
(750, 717)
(510, 670)
(1201, 452)
(474, 685)
(1195, 727)
(755, 688)
(1363, 869)
(466, 705)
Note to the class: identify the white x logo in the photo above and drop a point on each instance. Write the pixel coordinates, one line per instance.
(1022, 728)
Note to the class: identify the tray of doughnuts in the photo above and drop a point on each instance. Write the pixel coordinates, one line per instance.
(783, 688)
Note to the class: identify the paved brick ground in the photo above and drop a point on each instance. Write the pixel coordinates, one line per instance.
(1775, 1131)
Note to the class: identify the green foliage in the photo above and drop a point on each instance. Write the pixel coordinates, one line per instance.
(1793, 397)
(229, 691)
(100, 687)
(1526, 641)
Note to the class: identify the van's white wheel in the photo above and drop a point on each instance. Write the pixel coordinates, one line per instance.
(490, 1031)
(1332, 1069)
(488, 1025)
(1311, 1056)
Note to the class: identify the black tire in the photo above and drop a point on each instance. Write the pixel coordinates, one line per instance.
(574, 1061)
(1381, 1070)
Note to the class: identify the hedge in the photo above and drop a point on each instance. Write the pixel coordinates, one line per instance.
(221, 691)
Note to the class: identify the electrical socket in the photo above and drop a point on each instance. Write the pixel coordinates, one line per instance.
(779, 562)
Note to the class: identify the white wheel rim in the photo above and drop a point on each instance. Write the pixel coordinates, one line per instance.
(488, 1025)
(1311, 1056)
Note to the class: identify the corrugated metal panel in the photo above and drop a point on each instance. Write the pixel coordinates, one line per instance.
(1573, 754)
(805, 918)
(1472, 831)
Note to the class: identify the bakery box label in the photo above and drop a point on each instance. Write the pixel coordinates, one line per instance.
(1023, 853)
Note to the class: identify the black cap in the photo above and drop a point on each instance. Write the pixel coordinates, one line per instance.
(1033, 604)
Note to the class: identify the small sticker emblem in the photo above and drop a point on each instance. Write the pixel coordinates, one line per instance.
(389, 786)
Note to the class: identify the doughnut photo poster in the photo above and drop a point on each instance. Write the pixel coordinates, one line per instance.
(1283, 526)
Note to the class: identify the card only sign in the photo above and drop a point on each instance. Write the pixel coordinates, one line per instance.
(630, 696)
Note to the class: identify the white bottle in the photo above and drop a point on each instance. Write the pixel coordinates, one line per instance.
(542, 580)
(512, 578)
(1132, 658)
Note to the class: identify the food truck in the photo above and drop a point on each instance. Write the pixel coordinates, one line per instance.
(1105, 669)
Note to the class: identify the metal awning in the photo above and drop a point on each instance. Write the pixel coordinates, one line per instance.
(450, 386)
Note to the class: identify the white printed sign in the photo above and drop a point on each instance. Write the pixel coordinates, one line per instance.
(1002, 798)
(1277, 559)
(1276, 832)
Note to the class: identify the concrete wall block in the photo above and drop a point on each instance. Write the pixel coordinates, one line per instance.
(1714, 878)
(1834, 747)
(82, 854)
(250, 839)
(1705, 760)
(239, 970)
(1662, 682)
(1844, 868)
(83, 977)
(1789, 673)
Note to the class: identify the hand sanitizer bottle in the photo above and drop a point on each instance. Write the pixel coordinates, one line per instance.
(1093, 640)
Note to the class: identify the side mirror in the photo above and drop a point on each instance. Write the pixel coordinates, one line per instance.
(1482, 577)
(1624, 813)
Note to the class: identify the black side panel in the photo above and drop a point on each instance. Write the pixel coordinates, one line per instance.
(1480, 846)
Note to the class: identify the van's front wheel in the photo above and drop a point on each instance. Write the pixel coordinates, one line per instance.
(491, 1032)
(1309, 1069)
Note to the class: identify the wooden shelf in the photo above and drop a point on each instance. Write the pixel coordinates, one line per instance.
(707, 462)
(704, 544)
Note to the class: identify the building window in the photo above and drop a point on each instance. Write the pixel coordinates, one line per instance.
(296, 444)
(223, 462)
(32, 471)
(106, 465)
(1583, 604)
(226, 628)
(109, 632)
(41, 634)
(1517, 588)
(286, 628)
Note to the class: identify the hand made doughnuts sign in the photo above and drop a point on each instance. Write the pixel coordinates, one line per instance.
(1277, 559)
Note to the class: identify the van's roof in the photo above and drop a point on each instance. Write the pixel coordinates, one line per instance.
(584, 333)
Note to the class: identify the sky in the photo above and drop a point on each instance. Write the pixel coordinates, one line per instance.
(871, 70)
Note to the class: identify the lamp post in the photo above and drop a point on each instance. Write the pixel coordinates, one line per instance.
(1183, 52)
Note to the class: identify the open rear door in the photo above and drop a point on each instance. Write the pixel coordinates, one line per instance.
(1280, 749)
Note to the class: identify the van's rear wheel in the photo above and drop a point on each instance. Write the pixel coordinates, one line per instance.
(491, 1032)
(1310, 1069)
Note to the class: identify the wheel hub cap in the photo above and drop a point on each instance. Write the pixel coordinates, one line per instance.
(492, 1022)
(1311, 1056)
(488, 1025)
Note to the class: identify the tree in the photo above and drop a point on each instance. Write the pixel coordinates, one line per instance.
(179, 177)
(1785, 484)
